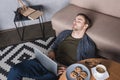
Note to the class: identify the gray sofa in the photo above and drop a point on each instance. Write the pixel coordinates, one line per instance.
(105, 31)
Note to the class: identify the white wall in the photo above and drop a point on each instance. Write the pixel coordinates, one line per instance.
(7, 8)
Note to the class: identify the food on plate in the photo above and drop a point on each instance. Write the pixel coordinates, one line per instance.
(77, 72)
(79, 78)
(83, 74)
(73, 74)
(78, 69)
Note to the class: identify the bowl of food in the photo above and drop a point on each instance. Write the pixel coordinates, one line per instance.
(77, 72)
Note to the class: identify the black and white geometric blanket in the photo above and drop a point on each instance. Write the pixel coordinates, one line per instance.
(14, 54)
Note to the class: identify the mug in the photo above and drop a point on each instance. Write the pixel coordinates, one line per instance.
(100, 70)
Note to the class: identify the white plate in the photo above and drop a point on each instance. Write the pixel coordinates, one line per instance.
(72, 67)
(105, 75)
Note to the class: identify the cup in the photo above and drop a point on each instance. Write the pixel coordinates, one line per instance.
(100, 70)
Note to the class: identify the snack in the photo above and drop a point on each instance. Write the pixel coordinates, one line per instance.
(73, 74)
(80, 78)
(77, 72)
(83, 74)
(78, 69)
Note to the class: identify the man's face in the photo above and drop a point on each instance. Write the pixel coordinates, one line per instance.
(78, 23)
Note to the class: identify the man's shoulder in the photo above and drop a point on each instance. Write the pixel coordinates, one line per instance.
(86, 35)
(88, 38)
(64, 33)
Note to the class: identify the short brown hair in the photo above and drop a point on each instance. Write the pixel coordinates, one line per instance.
(87, 19)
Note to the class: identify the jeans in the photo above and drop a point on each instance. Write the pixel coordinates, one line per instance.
(31, 69)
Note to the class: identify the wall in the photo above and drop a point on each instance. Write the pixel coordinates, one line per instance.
(7, 8)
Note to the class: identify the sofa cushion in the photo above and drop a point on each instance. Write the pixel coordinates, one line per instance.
(110, 7)
(104, 32)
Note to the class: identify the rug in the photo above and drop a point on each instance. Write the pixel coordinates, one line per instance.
(14, 54)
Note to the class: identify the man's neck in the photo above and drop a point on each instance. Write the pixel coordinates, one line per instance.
(78, 34)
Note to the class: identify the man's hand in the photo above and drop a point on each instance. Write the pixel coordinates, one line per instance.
(61, 69)
(51, 54)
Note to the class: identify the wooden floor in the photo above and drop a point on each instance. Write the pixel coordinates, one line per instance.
(9, 37)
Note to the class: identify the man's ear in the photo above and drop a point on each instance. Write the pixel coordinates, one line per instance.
(86, 26)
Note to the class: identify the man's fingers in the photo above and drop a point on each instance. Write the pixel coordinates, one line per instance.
(60, 71)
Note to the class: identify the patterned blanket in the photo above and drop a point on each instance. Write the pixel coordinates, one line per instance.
(14, 54)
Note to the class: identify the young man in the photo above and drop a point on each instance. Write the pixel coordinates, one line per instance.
(69, 47)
